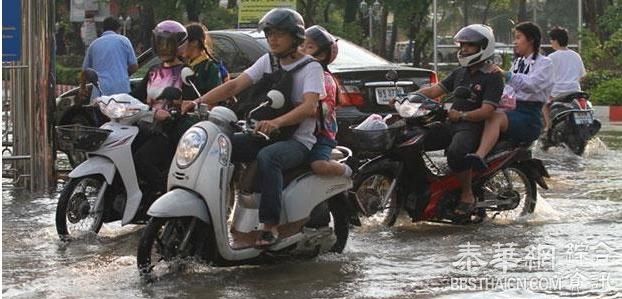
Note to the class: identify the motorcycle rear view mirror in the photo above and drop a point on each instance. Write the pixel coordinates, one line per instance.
(90, 75)
(186, 77)
(186, 73)
(276, 99)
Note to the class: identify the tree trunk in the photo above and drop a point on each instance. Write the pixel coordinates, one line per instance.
(522, 11)
(466, 13)
(382, 35)
(232, 4)
(592, 11)
(327, 10)
(485, 14)
(192, 10)
(147, 23)
(350, 11)
(391, 48)
(308, 9)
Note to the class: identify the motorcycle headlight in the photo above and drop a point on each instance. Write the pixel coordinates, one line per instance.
(115, 110)
(190, 146)
(408, 110)
(223, 150)
(422, 111)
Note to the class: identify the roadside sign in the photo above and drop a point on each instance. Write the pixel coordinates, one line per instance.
(251, 11)
(79, 8)
(11, 30)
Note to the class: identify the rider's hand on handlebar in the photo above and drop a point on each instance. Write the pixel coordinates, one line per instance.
(453, 115)
(187, 106)
(266, 126)
(161, 114)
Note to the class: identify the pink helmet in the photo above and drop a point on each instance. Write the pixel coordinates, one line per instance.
(167, 37)
(325, 42)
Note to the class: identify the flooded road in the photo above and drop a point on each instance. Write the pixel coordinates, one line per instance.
(570, 246)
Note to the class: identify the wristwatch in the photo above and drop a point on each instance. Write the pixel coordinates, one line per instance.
(463, 115)
(197, 103)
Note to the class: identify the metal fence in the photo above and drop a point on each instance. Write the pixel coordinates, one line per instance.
(27, 98)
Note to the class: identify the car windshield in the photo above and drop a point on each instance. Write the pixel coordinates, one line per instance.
(350, 55)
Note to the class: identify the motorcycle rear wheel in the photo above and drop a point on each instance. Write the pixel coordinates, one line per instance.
(75, 214)
(512, 182)
(577, 146)
(371, 186)
(163, 238)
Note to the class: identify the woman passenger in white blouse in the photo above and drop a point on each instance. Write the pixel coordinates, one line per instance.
(528, 86)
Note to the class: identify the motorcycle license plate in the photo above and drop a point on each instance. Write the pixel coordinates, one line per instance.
(385, 94)
(582, 117)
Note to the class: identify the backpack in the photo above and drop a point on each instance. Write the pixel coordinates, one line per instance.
(282, 81)
(222, 69)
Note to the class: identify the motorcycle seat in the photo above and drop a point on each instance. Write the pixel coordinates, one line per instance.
(505, 145)
(291, 174)
(568, 97)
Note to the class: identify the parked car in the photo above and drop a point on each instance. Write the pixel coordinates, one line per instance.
(361, 75)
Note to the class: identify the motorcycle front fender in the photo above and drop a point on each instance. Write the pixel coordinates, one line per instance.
(95, 165)
(180, 203)
(534, 169)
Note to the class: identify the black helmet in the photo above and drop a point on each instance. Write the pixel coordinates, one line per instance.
(324, 41)
(283, 19)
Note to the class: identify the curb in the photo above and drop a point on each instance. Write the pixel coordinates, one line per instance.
(608, 113)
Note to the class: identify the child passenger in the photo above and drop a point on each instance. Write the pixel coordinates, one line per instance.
(320, 44)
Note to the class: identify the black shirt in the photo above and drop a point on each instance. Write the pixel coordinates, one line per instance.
(485, 85)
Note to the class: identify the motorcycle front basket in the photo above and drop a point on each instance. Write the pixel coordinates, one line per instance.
(375, 141)
(80, 138)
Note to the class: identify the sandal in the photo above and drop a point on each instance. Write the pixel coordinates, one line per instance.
(476, 162)
(464, 208)
(266, 239)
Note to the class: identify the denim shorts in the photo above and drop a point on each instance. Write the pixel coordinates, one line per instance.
(524, 122)
(321, 149)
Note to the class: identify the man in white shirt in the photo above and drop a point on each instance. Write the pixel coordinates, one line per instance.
(285, 31)
(568, 69)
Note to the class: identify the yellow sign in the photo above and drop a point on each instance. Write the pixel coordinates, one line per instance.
(251, 11)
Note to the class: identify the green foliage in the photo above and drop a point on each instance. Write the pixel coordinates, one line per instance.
(219, 18)
(67, 75)
(613, 49)
(73, 61)
(611, 21)
(608, 93)
(602, 56)
(595, 78)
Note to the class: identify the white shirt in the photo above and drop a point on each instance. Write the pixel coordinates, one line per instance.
(531, 81)
(308, 79)
(567, 69)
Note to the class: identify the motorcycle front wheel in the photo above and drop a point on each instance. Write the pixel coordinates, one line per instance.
(515, 192)
(372, 186)
(80, 207)
(167, 239)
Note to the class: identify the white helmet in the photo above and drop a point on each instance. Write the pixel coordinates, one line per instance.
(480, 35)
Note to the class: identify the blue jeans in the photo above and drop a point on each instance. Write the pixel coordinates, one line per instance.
(272, 160)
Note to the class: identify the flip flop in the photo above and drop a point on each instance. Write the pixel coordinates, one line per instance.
(476, 162)
(266, 239)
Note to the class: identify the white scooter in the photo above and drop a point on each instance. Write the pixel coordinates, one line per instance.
(105, 187)
(194, 218)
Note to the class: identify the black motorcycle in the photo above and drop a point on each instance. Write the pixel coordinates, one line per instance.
(572, 123)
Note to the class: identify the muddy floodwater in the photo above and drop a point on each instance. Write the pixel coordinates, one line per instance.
(570, 246)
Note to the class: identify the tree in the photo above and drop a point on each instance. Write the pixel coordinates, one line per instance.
(592, 11)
